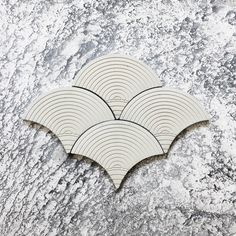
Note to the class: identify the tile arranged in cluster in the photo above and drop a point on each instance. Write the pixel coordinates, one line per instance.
(116, 114)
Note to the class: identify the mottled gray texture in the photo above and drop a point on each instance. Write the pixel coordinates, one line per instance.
(191, 45)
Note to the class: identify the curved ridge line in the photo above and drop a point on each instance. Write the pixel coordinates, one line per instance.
(75, 86)
(56, 112)
(119, 120)
(95, 80)
(175, 100)
(63, 89)
(145, 129)
(119, 56)
(100, 70)
(135, 97)
(198, 104)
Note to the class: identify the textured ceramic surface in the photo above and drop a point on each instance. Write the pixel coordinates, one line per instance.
(116, 78)
(117, 146)
(164, 112)
(68, 112)
(89, 125)
(190, 45)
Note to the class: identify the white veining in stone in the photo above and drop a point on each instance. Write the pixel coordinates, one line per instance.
(191, 46)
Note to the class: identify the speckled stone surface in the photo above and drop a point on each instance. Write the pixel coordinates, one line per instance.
(190, 45)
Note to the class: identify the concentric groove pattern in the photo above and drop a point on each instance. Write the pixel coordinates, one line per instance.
(68, 112)
(165, 112)
(117, 146)
(116, 114)
(117, 79)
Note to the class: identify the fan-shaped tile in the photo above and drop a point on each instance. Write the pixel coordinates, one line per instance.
(165, 112)
(117, 146)
(68, 112)
(116, 78)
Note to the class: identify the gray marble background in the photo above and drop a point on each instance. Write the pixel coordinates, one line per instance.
(191, 45)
